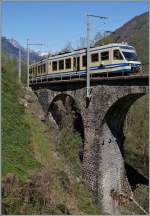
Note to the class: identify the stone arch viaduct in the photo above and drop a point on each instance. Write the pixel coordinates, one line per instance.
(103, 117)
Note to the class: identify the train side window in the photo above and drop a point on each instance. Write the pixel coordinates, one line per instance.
(117, 55)
(104, 56)
(61, 64)
(54, 65)
(84, 61)
(68, 63)
(94, 57)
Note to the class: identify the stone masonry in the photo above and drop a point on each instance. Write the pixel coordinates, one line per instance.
(103, 117)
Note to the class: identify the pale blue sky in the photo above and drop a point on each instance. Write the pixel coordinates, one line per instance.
(55, 23)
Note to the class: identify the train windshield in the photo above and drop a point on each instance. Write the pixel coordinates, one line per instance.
(130, 56)
(127, 47)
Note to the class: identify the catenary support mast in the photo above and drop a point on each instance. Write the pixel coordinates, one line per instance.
(28, 57)
(88, 88)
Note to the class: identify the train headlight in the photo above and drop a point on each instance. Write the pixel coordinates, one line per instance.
(130, 64)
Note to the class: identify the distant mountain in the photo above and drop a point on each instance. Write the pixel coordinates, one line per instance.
(14, 43)
(11, 46)
(136, 33)
(43, 54)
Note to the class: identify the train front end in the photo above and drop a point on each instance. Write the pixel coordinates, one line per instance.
(130, 56)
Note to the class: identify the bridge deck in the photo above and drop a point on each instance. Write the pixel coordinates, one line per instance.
(93, 79)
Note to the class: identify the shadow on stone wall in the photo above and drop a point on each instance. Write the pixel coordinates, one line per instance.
(115, 120)
(116, 115)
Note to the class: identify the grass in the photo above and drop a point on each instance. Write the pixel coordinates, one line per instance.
(40, 139)
(64, 165)
(69, 145)
(29, 151)
(16, 153)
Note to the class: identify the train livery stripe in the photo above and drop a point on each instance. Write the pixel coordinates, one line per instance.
(114, 68)
(92, 68)
(80, 73)
(110, 66)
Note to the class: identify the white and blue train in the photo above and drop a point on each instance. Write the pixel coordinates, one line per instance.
(107, 60)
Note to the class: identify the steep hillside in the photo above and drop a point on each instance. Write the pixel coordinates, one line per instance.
(40, 175)
(136, 142)
(137, 25)
(16, 154)
(136, 33)
(136, 155)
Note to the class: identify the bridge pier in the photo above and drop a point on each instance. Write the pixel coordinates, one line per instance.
(111, 170)
(103, 163)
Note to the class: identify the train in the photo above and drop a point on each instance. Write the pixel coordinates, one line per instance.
(108, 60)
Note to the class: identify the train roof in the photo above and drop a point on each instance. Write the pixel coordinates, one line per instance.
(80, 51)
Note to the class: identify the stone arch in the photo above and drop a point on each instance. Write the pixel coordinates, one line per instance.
(112, 164)
(115, 118)
(116, 114)
(64, 108)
